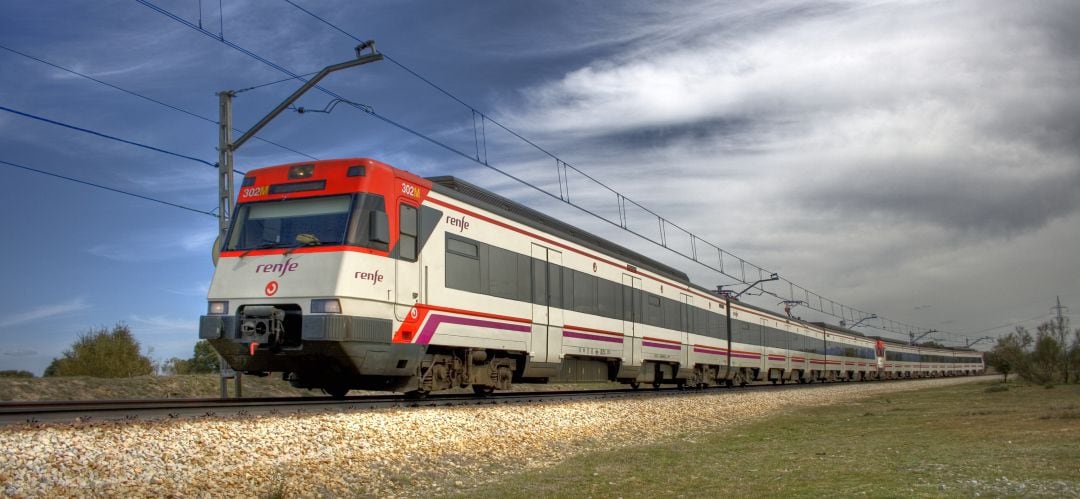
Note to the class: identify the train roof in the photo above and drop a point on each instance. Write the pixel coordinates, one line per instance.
(462, 190)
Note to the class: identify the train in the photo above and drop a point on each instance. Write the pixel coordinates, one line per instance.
(352, 274)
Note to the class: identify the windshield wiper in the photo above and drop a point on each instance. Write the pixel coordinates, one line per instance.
(305, 239)
(265, 245)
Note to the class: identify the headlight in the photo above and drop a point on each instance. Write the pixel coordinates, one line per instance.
(218, 308)
(326, 306)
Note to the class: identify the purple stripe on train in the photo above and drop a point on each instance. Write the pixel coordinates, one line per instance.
(661, 345)
(593, 337)
(435, 320)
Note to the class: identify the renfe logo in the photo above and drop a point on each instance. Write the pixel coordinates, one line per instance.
(278, 268)
(460, 223)
(374, 277)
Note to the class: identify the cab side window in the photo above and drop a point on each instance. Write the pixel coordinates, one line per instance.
(409, 228)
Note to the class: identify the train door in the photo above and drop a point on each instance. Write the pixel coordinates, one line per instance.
(762, 337)
(687, 326)
(407, 264)
(631, 308)
(547, 315)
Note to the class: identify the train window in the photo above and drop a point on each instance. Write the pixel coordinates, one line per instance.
(539, 281)
(607, 298)
(742, 332)
(462, 248)
(700, 323)
(672, 314)
(555, 278)
(717, 326)
(462, 265)
(567, 288)
(584, 293)
(631, 308)
(409, 229)
(502, 274)
(524, 279)
(280, 224)
(369, 226)
(653, 314)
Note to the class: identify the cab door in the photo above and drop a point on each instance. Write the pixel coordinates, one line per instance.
(407, 262)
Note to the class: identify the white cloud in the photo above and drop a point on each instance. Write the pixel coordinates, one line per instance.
(162, 324)
(843, 145)
(45, 312)
(157, 245)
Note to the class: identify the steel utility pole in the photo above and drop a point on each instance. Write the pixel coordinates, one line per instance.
(1063, 336)
(970, 343)
(921, 336)
(227, 147)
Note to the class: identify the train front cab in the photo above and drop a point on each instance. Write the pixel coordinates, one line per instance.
(316, 258)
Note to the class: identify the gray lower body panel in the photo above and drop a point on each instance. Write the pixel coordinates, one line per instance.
(329, 350)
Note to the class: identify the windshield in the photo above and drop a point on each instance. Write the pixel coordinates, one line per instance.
(292, 222)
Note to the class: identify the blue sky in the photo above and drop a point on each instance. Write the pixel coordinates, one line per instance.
(918, 160)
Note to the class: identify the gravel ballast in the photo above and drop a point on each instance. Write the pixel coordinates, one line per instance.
(386, 452)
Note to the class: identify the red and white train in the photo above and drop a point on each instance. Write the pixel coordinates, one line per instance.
(350, 273)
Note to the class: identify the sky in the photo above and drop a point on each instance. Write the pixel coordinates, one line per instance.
(916, 160)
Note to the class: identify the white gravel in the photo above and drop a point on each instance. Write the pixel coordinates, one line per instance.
(391, 452)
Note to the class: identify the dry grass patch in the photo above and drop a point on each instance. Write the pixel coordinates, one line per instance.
(962, 440)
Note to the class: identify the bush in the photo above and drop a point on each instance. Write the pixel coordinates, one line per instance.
(205, 360)
(11, 373)
(103, 354)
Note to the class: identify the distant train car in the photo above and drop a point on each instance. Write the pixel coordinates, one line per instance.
(344, 274)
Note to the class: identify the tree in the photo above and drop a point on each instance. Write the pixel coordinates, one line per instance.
(1009, 354)
(204, 360)
(1074, 356)
(104, 354)
(1044, 361)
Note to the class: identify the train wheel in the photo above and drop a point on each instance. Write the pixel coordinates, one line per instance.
(729, 383)
(483, 390)
(656, 385)
(337, 392)
(417, 394)
(634, 385)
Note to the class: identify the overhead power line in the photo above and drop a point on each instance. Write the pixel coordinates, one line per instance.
(150, 99)
(99, 186)
(819, 302)
(110, 137)
(851, 313)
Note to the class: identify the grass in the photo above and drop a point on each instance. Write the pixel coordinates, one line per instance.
(140, 387)
(187, 386)
(958, 441)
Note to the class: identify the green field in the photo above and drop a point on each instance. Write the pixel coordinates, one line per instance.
(967, 440)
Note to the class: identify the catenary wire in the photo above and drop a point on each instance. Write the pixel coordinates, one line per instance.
(99, 186)
(370, 111)
(484, 116)
(150, 99)
(110, 137)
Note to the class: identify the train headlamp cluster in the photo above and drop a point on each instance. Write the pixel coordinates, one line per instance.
(326, 306)
(217, 308)
(301, 171)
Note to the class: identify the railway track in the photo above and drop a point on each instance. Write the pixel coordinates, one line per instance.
(84, 411)
(116, 410)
